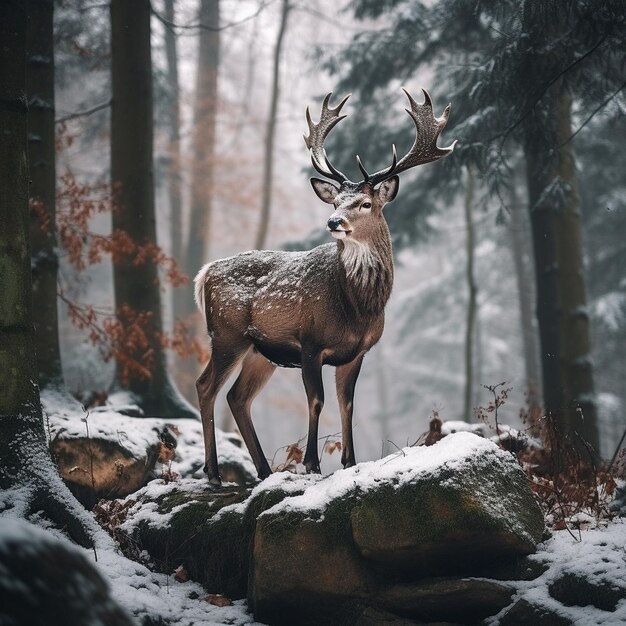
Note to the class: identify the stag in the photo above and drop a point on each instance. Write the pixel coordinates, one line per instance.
(308, 309)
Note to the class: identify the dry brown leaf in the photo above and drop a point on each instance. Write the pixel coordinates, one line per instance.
(181, 574)
(218, 600)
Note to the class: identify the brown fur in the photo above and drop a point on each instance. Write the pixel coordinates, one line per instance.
(298, 309)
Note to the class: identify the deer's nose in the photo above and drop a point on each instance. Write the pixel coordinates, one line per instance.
(334, 223)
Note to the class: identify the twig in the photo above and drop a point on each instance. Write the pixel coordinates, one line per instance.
(593, 113)
(93, 481)
(619, 446)
(172, 25)
(86, 112)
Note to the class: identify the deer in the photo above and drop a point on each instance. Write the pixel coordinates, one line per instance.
(324, 306)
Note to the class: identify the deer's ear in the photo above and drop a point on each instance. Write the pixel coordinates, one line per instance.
(388, 189)
(326, 192)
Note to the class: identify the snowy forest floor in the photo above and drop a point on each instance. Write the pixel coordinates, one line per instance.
(596, 553)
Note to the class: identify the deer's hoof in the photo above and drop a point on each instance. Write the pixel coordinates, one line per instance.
(263, 474)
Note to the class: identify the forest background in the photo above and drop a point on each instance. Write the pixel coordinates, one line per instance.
(510, 255)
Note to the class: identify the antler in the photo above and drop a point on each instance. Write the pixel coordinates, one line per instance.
(424, 149)
(318, 133)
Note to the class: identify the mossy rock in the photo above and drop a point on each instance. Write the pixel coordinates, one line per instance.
(450, 522)
(576, 590)
(202, 531)
(45, 581)
(306, 567)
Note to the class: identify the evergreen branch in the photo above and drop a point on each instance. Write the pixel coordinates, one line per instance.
(86, 112)
(506, 132)
(593, 114)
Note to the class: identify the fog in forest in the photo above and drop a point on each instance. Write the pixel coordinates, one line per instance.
(474, 205)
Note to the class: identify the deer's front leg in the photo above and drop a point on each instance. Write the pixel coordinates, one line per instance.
(346, 377)
(312, 377)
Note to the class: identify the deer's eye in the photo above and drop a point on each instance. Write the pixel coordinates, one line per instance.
(366, 205)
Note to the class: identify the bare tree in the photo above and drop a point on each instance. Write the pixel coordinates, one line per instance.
(521, 251)
(174, 156)
(203, 144)
(268, 160)
(471, 302)
(137, 284)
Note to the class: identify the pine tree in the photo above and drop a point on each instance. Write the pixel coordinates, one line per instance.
(512, 72)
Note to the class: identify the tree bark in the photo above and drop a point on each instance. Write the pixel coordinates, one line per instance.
(203, 145)
(557, 237)
(268, 161)
(25, 462)
(41, 149)
(471, 302)
(174, 157)
(137, 286)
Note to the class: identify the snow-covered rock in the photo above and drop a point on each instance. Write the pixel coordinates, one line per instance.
(105, 454)
(330, 548)
(450, 510)
(45, 580)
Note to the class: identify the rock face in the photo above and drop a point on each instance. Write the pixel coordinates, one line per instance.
(47, 582)
(399, 538)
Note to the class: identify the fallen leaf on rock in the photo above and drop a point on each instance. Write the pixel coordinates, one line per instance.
(218, 600)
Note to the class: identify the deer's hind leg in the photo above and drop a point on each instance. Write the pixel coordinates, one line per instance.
(256, 370)
(224, 358)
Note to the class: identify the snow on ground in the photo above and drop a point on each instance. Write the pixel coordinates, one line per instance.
(137, 589)
(598, 555)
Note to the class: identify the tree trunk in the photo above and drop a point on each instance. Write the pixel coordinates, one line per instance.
(471, 302)
(24, 458)
(137, 286)
(203, 145)
(41, 149)
(521, 250)
(557, 237)
(268, 161)
(174, 156)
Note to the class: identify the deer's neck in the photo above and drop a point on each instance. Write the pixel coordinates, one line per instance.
(367, 272)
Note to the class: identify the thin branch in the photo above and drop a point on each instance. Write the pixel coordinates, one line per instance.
(86, 112)
(172, 25)
(593, 114)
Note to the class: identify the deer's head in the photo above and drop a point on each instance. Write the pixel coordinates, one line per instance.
(359, 206)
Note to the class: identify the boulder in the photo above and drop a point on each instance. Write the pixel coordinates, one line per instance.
(48, 582)
(466, 601)
(210, 534)
(104, 454)
(405, 537)
(446, 509)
